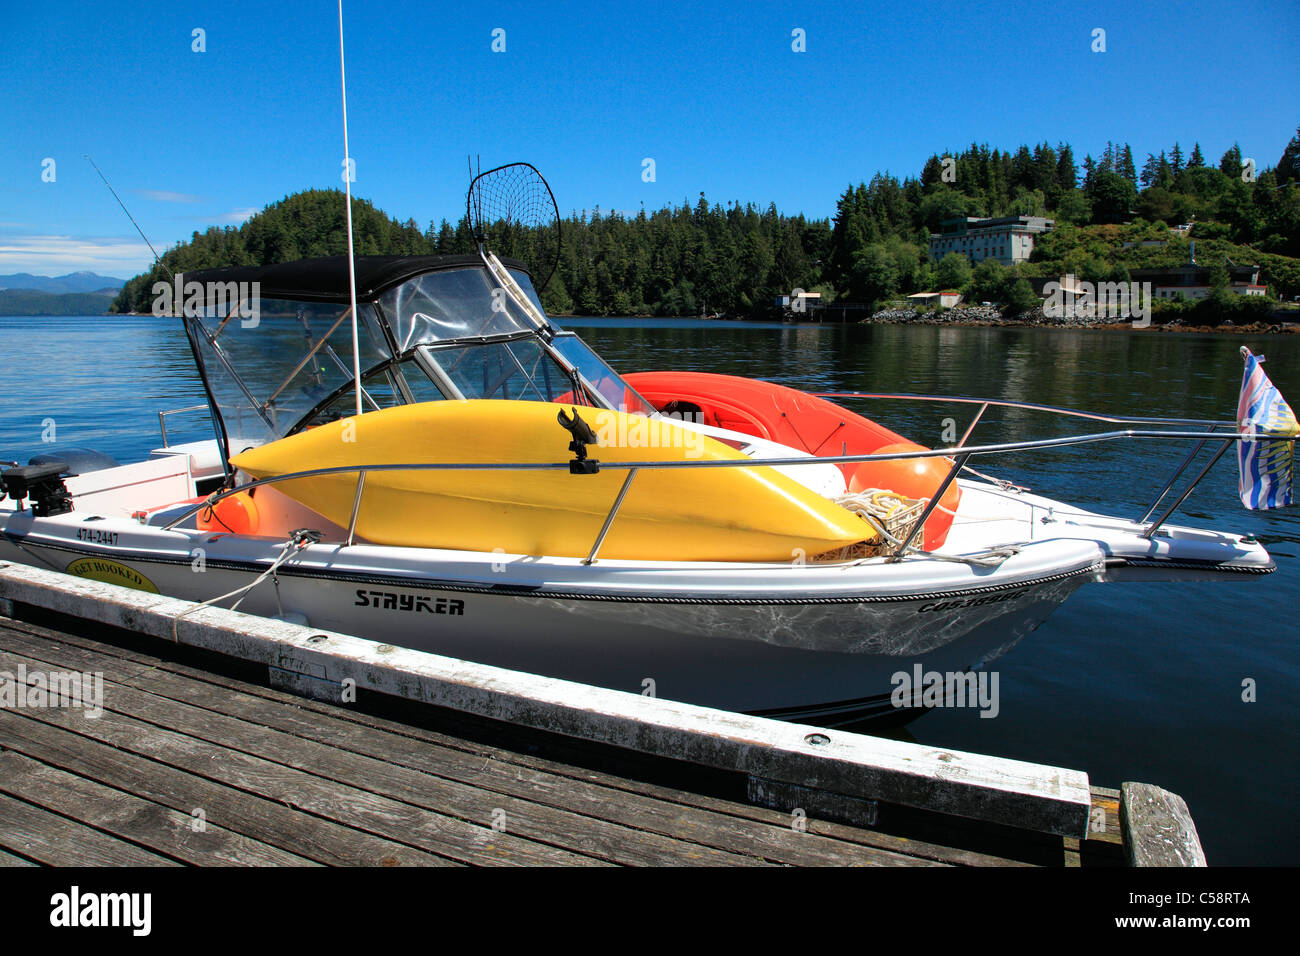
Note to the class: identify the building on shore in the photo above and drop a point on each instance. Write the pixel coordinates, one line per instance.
(945, 299)
(1008, 239)
(1193, 281)
(799, 306)
(799, 301)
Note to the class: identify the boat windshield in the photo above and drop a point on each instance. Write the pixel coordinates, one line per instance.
(518, 370)
(606, 382)
(448, 334)
(454, 304)
(266, 374)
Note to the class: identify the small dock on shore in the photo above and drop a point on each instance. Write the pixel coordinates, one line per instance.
(224, 739)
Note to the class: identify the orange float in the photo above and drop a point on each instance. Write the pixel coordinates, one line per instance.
(236, 514)
(916, 478)
(765, 410)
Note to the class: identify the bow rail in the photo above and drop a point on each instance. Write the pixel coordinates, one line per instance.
(959, 453)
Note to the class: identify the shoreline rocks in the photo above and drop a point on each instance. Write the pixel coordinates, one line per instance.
(983, 315)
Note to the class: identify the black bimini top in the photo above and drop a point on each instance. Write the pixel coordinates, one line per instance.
(326, 279)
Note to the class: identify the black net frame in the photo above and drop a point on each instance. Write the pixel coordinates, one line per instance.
(512, 211)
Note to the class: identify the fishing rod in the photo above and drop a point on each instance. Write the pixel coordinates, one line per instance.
(217, 428)
(157, 258)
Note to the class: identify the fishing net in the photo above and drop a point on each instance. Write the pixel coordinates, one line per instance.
(513, 213)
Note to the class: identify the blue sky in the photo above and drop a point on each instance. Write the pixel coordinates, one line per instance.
(586, 91)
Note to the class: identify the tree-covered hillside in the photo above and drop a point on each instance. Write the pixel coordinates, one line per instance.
(301, 226)
(32, 302)
(711, 258)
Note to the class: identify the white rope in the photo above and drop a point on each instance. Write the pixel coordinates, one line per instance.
(297, 541)
(879, 507)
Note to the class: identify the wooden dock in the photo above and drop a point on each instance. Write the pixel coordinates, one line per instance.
(197, 758)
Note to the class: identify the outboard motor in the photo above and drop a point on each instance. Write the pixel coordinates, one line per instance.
(43, 484)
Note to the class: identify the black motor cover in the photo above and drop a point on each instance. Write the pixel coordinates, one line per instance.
(77, 461)
(43, 484)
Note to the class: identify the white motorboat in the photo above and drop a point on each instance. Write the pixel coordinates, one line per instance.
(790, 633)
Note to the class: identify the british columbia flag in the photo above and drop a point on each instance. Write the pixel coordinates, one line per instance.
(1267, 458)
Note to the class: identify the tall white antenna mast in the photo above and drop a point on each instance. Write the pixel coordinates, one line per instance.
(347, 186)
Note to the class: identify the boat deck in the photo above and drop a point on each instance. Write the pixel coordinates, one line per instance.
(197, 760)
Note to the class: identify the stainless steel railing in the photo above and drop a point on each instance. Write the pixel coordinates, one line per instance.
(1029, 406)
(960, 455)
(984, 403)
(162, 418)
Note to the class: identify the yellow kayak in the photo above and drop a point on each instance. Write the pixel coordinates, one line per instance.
(699, 514)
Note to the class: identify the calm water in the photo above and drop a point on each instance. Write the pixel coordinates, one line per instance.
(1128, 682)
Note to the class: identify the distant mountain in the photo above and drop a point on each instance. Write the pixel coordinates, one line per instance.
(72, 282)
(31, 302)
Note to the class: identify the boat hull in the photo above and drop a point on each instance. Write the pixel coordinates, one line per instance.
(802, 640)
(824, 650)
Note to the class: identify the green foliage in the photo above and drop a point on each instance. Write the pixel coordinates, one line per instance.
(944, 202)
(990, 282)
(1021, 298)
(686, 261)
(874, 276)
(1288, 167)
(953, 271)
(305, 225)
(1230, 163)
(1074, 207)
(1111, 195)
(1220, 306)
(692, 258)
(556, 299)
(32, 302)
(677, 261)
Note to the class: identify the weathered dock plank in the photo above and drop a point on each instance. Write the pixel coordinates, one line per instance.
(488, 773)
(268, 821)
(638, 803)
(179, 836)
(386, 779)
(1030, 796)
(50, 838)
(8, 859)
(1158, 828)
(317, 794)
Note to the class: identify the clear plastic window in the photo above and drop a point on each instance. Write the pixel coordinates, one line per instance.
(267, 374)
(454, 304)
(621, 396)
(513, 371)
